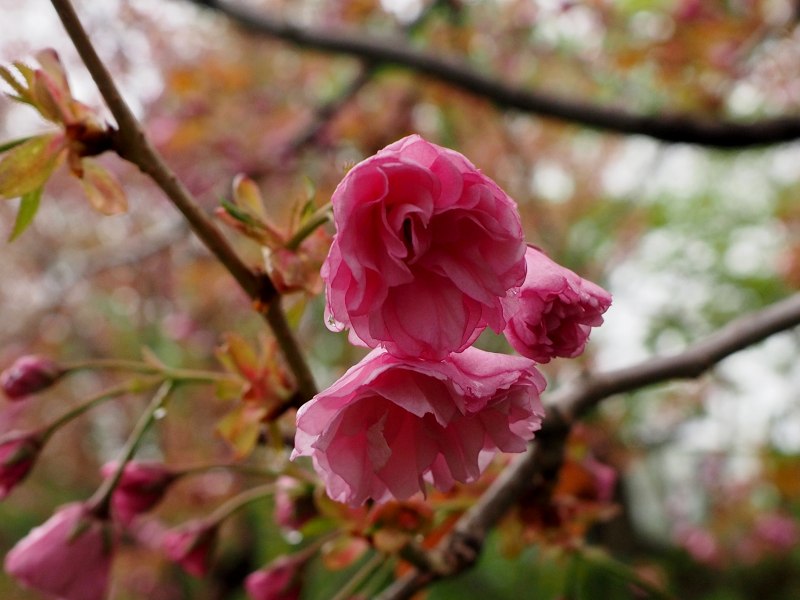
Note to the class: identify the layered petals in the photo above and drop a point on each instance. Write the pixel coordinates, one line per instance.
(554, 311)
(426, 249)
(390, 424)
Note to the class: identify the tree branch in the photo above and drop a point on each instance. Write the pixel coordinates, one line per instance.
(665, 127)
(543, 459)
(131, 144)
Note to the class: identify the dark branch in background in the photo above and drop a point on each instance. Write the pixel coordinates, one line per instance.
(664, 127)
(542, 461)
(131, 144)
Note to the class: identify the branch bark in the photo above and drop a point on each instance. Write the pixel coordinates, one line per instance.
(132, 144)
(673, 128)
(461, 548)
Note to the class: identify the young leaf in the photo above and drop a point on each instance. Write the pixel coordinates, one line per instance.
(29, 165)
(28, 206)
(102, 188)
(5, 147)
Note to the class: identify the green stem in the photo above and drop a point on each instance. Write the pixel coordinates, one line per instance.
(615, 568)
(133, 366)
(236, 503)
(321, 216)
(129, 387)
(359, 577)
(100, 501)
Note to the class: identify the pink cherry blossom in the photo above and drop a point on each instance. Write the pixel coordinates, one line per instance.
(191, 545)
(28, 375)
(140, 487)
(390, 424)
(18, 453)
(425, 250)
(68, 556)
(554, 310)
(279, 580)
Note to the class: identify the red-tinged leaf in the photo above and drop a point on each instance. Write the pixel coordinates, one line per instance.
(342, 552)
(29, 165)
(247, 196)
(241, 428)
(104, 192)
(238, 356)
(51, 101)
(51, 64)
(28, 206)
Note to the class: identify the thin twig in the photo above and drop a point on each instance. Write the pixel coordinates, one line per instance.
(395, 51)
(131, 144)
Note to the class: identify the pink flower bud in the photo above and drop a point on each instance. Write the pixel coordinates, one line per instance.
(18, 453)
(554, 311)
(294, 502)
(191, 545)
(140, 488)
(68, 556)
(279, 580)
(28, 375)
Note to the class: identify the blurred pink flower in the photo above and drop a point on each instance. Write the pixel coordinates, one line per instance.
(18, 453)
(279, 580)
(778, 532)
(140, 488)
(28, 375)
(700, 543)
(68, 556)
(191, 545)
(390, 424)
(425, 250)
(554, 311)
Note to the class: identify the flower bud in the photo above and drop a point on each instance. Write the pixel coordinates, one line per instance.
(140, 487)
(68, 556)
(191, 545)
(28, 375)
(18, 453)
(294, 502)
(279, 580)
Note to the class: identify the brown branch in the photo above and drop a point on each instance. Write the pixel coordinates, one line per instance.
(540, 464)
(665, 127)
(131, 144)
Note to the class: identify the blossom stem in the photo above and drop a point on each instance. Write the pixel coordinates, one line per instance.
(237, 503)
(101, 500)
(133, 366)
(132, 386)
(360, 577)
(321, 216)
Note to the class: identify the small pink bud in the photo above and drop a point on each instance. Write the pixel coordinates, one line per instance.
(294, 502)
(140, 487)
(279, 580)
(68, 556)
(191, 545)
(18, 453)
(28, 375)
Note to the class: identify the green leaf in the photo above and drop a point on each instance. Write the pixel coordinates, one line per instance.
(13, 144)
(28, 166)
(28, 206)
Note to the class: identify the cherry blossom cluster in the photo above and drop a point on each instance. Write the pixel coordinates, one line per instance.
(428, 253)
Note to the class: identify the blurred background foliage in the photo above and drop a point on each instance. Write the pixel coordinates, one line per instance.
(685, 238)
